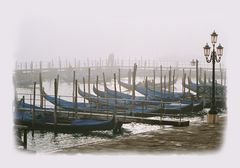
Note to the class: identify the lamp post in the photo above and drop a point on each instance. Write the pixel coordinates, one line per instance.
(215, 56)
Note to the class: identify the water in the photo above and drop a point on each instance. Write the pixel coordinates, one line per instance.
(48, 142)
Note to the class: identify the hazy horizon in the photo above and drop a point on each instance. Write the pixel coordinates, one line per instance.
(135, 29)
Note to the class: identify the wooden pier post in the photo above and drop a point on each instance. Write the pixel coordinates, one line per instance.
(183, 82)
(97, 93)
(197, 78)
(115, 91)
(55, 101)
(89, 73)
(31, 66)
(164, 83)
(57, 81)
(33, 109)
(73, 93)
(119, 78)
(154, 87)
(75, 63)
(189, 83)
(200, 75)
(41, 89)
(104, 82)
(84, 91)
(173, 82)
(40, 66)
(129, 76)
(76, 106)
(105, 89)
(146, 88)
(161, 80)
(97, 86)
(189, 80)
(134, 81)
(169, 81)
(205, 82)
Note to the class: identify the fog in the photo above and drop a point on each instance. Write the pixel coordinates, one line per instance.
(163, 30)
(177, 30)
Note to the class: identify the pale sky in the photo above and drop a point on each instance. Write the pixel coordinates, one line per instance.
(175, 30)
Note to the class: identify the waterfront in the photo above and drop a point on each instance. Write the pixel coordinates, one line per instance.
(199, 137)
(135, 137)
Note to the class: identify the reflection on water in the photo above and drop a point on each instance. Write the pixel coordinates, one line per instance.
(48, 142)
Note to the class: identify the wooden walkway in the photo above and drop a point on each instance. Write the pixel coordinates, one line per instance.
(119, 117)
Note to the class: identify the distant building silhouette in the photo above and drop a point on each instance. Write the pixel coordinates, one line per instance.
(110, 60)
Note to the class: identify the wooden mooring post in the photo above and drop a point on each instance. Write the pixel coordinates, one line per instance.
(76, 104)
(73, 93)
(169, 80)
(55, 101)
(41, 90)
(183, 83)
(161, 80)
(104, 82)
(146, 88)
(154, 87)
(84, 92)
(134, 85)
(40, 66)
(164, 85)
(115, 91)
(33, 109)
(89, 75)
(119, 78)
(197, 78)
(134, 81)
(189, 83)
(97, 93)
(173, 82)
(129, 76)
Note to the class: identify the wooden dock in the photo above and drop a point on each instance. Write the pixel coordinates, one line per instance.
(108, 115)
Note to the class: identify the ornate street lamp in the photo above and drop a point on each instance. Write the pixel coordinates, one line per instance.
(215, 56)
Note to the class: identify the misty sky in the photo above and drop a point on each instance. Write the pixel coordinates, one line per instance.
(168, 30)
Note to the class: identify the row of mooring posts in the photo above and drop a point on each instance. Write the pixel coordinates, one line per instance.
(56, 84)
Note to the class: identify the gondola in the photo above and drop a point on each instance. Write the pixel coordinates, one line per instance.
(156, 95)
(45, 122)
(120, 95)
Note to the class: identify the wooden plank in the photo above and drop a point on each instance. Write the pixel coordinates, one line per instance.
(122, 118)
